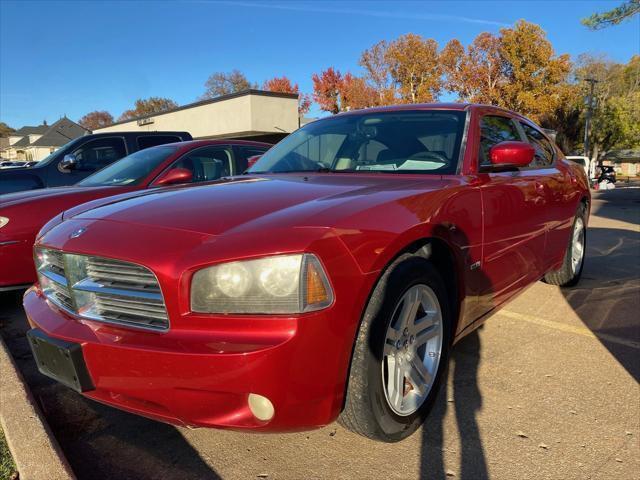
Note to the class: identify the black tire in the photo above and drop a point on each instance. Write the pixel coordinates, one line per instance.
(565, 276)
(366, 409)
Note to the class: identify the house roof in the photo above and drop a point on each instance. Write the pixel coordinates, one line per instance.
(28, 130)
(623, 155)
(56, 135)
(61, 132)
(23, 142)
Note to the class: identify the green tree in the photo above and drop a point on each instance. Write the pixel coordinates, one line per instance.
(148, 106)
(612, 17)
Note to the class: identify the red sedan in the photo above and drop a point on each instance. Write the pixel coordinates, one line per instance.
(330, 282)
(23, 214)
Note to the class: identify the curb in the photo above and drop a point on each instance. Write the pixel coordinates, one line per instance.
(35, 450)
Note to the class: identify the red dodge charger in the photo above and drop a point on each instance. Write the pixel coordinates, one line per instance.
(328, 282)
(23, 214)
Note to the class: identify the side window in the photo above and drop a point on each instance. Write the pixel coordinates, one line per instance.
(544, 150)
(147, 141)
(493, 130)
(244, 154)
(99, 153)
(208, 163)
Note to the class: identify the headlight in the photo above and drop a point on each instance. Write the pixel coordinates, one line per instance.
(279, 284)
(3, 221)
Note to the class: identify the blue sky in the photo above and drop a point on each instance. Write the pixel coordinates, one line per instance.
(72, 57)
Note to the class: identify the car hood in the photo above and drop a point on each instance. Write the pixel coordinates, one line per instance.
(251, 203)
(10, 199)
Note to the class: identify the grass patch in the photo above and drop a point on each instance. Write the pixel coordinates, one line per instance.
(7, 467)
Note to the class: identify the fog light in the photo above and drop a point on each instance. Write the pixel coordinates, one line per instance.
(261, 407)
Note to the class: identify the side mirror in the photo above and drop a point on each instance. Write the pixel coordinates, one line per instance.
(69, 162)
(175, 175)
(511, 154)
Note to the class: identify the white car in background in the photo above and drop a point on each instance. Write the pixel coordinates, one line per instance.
(588, 165)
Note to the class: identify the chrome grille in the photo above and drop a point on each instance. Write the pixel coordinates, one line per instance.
(121, 274)
(103, 289)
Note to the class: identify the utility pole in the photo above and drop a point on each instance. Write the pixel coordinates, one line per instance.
(587, 123)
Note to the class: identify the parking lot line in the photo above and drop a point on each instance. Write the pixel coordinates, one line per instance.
(584, 331)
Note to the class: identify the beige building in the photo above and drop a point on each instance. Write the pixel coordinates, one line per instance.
(250, 114)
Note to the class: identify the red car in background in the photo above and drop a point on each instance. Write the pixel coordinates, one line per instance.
(329, 282)
(22, 214)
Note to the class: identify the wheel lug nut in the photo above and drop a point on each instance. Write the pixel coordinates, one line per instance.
(406, 332)
(399, 344)
(412, 339)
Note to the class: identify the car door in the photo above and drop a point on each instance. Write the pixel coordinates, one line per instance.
(90, 157)
(553, 184)
(513, 217)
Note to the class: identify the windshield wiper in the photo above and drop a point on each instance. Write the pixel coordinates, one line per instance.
(317, 170)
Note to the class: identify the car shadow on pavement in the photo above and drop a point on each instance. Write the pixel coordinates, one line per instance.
(607, 299)
(463, 395)
(99, 442)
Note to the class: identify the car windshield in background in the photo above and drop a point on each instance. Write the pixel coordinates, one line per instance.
(131, 169)
(391, 142)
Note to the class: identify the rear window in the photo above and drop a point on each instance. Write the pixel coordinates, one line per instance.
(147, 141)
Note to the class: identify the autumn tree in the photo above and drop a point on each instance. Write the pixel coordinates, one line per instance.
(378, 76)
(224, 83)
(534, 74)
(5, 130)
(612, 17)
(148, 106)
(328, 91)
(357, 93)
(96, 119)
(414, 67)
(477, 73)
(284, 85)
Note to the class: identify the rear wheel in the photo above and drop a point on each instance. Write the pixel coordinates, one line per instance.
(401, 352)
(570, 272)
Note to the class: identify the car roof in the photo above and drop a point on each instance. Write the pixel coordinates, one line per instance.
(457, 106)
(191, 144)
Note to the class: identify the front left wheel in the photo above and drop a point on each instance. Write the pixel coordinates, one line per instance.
(401, 353)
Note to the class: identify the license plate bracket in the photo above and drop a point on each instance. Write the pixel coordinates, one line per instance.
(61, 360)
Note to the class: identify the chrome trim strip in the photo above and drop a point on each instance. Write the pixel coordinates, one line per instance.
(54, 277)
(87, 285)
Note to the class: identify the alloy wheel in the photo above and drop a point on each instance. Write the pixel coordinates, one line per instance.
(577, 247)
(412, 350)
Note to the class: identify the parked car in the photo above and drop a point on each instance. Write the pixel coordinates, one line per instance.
(188, 163)
(81, 157)
(329, 282)
(10, 164)
(587, 164)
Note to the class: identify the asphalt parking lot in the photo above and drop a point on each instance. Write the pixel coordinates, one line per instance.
(547, 389)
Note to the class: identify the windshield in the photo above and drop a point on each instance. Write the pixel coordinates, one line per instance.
(390, 142)
(130, 170)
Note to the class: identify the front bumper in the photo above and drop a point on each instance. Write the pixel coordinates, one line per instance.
(203, 378)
